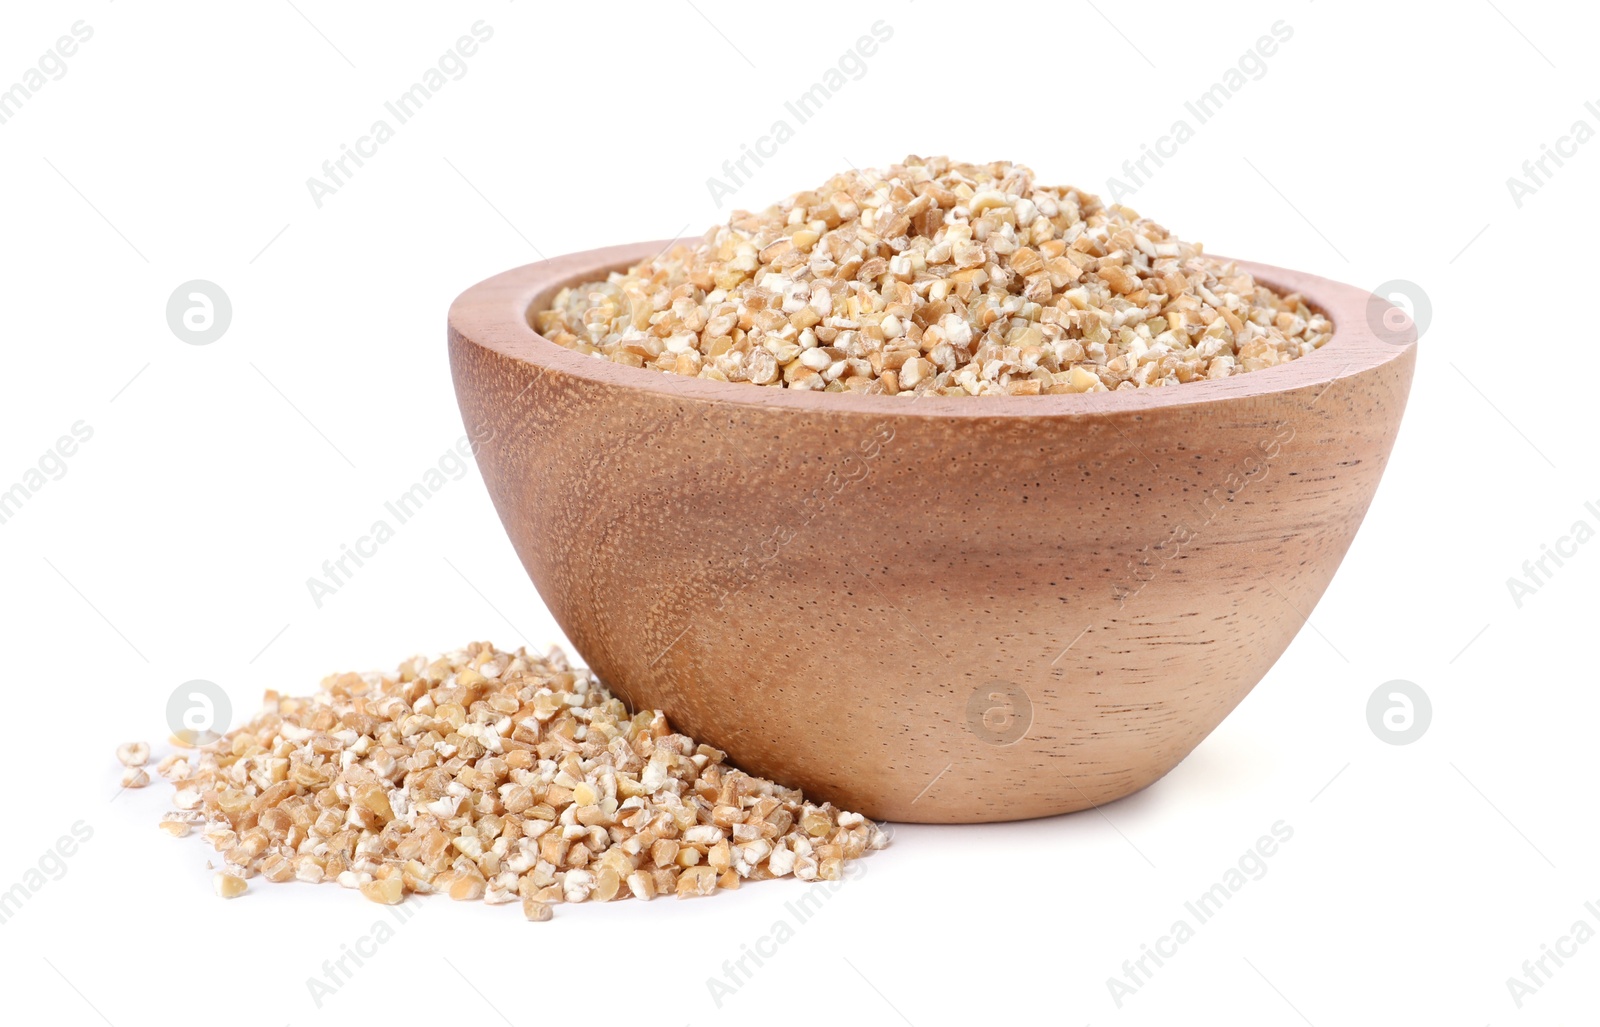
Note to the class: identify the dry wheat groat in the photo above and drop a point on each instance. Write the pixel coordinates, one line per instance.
(506, 777)
(133, 754)
(934, 277)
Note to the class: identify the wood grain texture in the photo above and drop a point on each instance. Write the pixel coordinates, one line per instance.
(944, 609)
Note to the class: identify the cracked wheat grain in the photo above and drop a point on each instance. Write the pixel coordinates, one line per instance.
(935, 277)
(499, 776)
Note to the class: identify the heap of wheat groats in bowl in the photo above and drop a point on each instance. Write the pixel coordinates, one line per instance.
(936, 277)
(506, 777)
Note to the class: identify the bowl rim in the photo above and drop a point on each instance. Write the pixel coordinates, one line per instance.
(495, 314)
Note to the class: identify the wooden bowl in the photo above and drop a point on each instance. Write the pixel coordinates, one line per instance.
(943, 610)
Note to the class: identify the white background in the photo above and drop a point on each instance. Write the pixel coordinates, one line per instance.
(219, 478)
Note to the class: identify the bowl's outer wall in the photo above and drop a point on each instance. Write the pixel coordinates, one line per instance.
(823, 592)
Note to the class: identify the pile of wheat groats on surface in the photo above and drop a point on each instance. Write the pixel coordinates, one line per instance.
(936, 277)
(507, 777)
